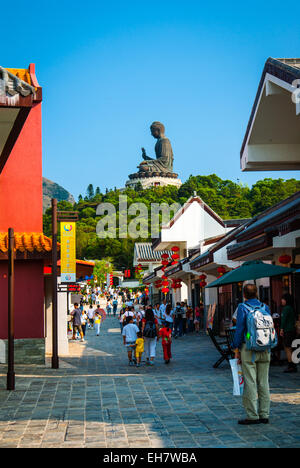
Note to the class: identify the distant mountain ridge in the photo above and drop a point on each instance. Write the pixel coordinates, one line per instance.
(54, 190)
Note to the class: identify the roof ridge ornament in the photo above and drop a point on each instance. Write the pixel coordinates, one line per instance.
(12, 84)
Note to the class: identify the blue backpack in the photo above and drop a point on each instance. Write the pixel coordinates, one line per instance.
(261, 334)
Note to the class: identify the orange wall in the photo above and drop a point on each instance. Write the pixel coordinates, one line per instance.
(21, 204)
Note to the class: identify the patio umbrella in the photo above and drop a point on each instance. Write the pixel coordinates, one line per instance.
(251, 271)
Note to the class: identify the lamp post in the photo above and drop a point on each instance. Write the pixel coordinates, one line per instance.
(11, 306)
(55, 360)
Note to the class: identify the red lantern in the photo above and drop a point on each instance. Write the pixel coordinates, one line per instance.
(165, 262)
(165, 290)
(203, 277)
(221, 270)
(285, 259)
(175, 248)
(203, 284)
(165, 256)
(175, 256)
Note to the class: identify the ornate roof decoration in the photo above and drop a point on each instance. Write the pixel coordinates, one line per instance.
(27, 241)
(11, 84)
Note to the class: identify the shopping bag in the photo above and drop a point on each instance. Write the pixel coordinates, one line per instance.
(237, 375)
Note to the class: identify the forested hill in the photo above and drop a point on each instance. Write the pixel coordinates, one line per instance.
(229, 199)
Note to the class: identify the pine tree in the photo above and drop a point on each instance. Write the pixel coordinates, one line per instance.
(90, 191)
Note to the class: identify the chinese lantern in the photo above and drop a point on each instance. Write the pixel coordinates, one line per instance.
(165, 256)
(221, 270)
(175, 248)
(203, 284)
(202, 277)
(165, 290)
(285, 259)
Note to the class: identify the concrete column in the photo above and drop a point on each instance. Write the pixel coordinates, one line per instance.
(63, 344)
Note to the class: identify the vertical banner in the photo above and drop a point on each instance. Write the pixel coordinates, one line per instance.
(68, 252)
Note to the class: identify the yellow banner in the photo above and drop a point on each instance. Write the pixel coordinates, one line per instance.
(68, 252)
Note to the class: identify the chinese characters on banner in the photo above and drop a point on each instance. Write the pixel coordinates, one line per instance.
(68, 252)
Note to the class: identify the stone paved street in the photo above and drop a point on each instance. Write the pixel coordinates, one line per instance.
(96, 400)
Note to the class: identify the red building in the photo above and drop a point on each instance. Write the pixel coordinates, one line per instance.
(21, 209)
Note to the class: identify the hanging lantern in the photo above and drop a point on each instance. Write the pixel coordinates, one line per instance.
(165, 290)
(165, 256)
(175, 248)
(285, 259)
(202, 277)
(164, 262)
(203, 284)
(221, 270)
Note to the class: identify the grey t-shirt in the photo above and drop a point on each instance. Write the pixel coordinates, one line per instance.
(76, 316)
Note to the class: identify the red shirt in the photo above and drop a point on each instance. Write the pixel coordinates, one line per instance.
(166, 334)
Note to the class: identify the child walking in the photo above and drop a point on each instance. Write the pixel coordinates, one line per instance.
(139, 348)
(166, 338)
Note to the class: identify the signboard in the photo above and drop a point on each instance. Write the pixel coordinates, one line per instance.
(68, 252)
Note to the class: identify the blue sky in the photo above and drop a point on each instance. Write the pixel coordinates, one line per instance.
(108, 69)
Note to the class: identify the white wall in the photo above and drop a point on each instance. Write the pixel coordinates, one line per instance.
(192, 227)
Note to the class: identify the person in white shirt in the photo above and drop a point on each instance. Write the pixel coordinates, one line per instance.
(84, 319)
(129, 337)
(91, 314)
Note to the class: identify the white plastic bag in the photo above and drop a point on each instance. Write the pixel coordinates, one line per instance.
(238, 379)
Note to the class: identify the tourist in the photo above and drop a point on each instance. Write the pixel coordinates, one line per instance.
(156, 311)
(84, 319)
(139, 348)
(287, 330)
(76, 314)
(255, 365)
(129, 334)
(150, 333)
(184, 308)
(108, 308)
(197, 319)
(115, 305)
(166, 340)
(97, 321)
(90, 314)
(178, 322)
(190, 319)
(168, 321)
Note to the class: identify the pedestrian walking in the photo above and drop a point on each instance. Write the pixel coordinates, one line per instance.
(150, 333)
(288, 330)
(76, 314)
(91, 314)
(84, 319)
(115, 305)
(166, 340)
(97, 322)
(129, 334)
(255, 365)
(178, 320)
(139, 348)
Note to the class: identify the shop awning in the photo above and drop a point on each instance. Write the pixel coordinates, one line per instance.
(251, 271)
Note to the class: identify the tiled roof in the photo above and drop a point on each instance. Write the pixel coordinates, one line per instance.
(285, 69)
(292, 62)
(145, 252)
(27, 241)
(11, 84)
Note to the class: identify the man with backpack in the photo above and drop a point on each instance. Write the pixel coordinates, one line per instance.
(254, 337)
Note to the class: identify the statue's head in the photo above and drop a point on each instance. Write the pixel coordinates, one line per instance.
(157, 129)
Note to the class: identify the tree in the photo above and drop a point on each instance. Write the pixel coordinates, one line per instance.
(101, 269)
(98, 191)
(90, 191)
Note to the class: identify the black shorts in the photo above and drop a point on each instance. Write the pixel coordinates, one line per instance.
(288, 339)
